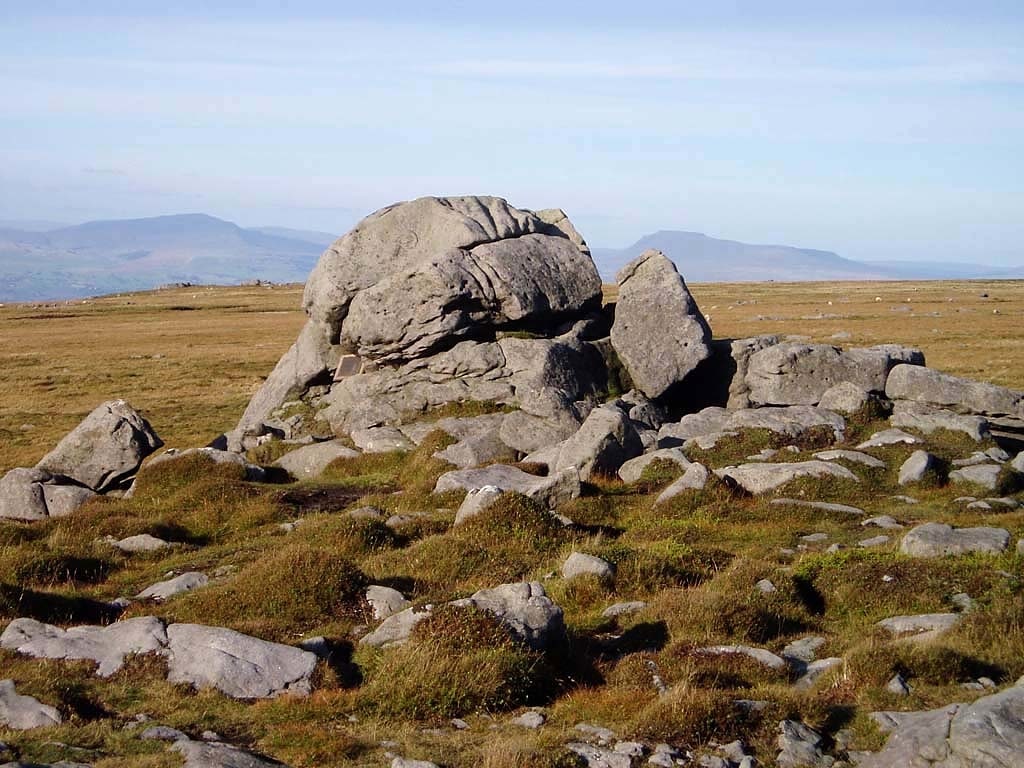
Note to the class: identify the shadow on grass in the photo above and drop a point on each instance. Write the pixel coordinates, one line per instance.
(52, 608)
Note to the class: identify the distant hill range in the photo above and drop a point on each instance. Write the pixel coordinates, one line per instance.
(42, 261)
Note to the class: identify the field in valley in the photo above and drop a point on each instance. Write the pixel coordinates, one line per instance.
(190, 358)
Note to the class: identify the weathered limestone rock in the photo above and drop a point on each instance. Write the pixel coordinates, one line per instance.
(385, 601)
(761, 478)
(845, 397)
(238, 665)
(791, 421)
(937, 539)
(381, 440)
(310, 461)
(631, 470)
(476, 501)
(800, 374)
(524, 608)
(926, 385)
(925, 626)
(253, 473)
(142, 542)
(205, 754)
(581, 564)
(34, 494)
(925, 418)
(762, 656)
(823, 506)
(801, 746)
(24, 712)
(889, 437)
(551, 491)
(107, 646)
(105, 450)
(985, 475)
(659, 333)
(601, 445)
(694, 478)
(740, 352)
(395, 629)
(917, 467)
(855, 456)
(165, 589)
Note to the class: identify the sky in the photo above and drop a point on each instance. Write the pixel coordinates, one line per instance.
(879, 130)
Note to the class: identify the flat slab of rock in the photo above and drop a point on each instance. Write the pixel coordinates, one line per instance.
(922, 626)
(926, 385)
(855, 456)
(142, 542)
(623, 609)
(205, 754)
(311, 460)
(889, 437)
(824, 506)
(938, 539)
(883, 521)
(761, 478)
(918, 466)
(658, 333)
(238, 665)
(845, 397)
(107, 646)
(22, 713)
(582, 564)
(985, 475)
(694, 478)
(631, 470)
(253, 473)
(104, 450)
(790, 421)
(927, 419)
(175, 586)
(551, 491)
(381, 440)
(762, 656)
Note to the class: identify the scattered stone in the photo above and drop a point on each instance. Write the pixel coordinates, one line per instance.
(824, 506)
(984, 475)
(165, 589)
(402, 762)
(395, 629)
(854, 456)
(551, 491)
(919, 466)
(761, 478)
(814, 538)
(658, 333)
(623, 609)
(476, 501)
(381, 440)
(524, 608)
(385, 601)
(882, 521)
(803, 650)
(631, 470)
(845, 397)
(596, 732)
(888, 437)
(581, 564)
(311, 460)
(922, 627)
(926, 385)
(202, 754)
(142, 542)
(237, 665)
(765, 587)
(253, 473)
(599, 757)
(107, 646)
(904, 499)
(162, 733)
(937, 539)
(926, 419)
(33, 494)
(897, 685)
(763, 657)
(22, 713)
(874, 541)
(814, 670)
(105, 450)
(365, 513)
(801, 747)
(694, 478)
(963, 601)
(531, 719)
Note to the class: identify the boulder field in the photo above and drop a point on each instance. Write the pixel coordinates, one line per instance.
(468, 305)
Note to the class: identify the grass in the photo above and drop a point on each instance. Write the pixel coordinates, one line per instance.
(694, 561)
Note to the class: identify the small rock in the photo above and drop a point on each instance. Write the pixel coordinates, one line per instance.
(142, 542)
(385, 601)
(984, 475)
(765, 587)
(888, 437)
(882, 521)
(898, 685)
(162, 733)
(921, 627)
(916, 468)
(22, 713)
(580, 564)
(874, 541)
(963, 601)
(622, 609)
(531, 719)
(165, 589)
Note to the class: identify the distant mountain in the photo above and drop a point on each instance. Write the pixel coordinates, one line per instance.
(323, 239)
(700, 258)
(134, 254)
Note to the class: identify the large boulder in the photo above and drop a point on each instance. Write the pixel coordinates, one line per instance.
(603, 443)
(34, 494)
(311, 460)
(412, 280)
(659, 333)
(800, 374)
(238, 665)
(105, 450)
(927, 419)
(926, 385)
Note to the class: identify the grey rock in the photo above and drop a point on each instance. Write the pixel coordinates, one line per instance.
(310, 461)
(524, 608)
(385, 601)
(381, 440)
(984, 475)
(530, 719)
(694, 478)
(142, 542)
(898, 685)
(904, 499)
(476, 501)
(917, 467)
(240, 666)
(658, 332)
(800, 374)
(623, 609)
(34, 494)
(596, 733)
(253, 473)
(203, 754)
(927, 419)
(599, 757)
(761, 478)
(938, 539)
(766, 587)
(762, 656)
(790, 421)
(483, 447)
(104, 450)
(175, 586)
(824, 506)
(404, 762)
(581, 564)
(883, 521)
(963, 601)
(107, 646)
(551, 491)
(814, 538)
(22, 713)
(844, 397)
(811, 672)
(925, 626)
(874, 541)
(604, 441)
(801, 747)
(855, 456)
(631, 470)
(889, 437)
(708, 421)
(1018, 463)
(803, 650)
(395, 629)
(926, 385)
(162, 733)
(737, 361)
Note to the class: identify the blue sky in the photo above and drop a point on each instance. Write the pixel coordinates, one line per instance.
(878, 130)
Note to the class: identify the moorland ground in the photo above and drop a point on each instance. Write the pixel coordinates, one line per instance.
(189, 359)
